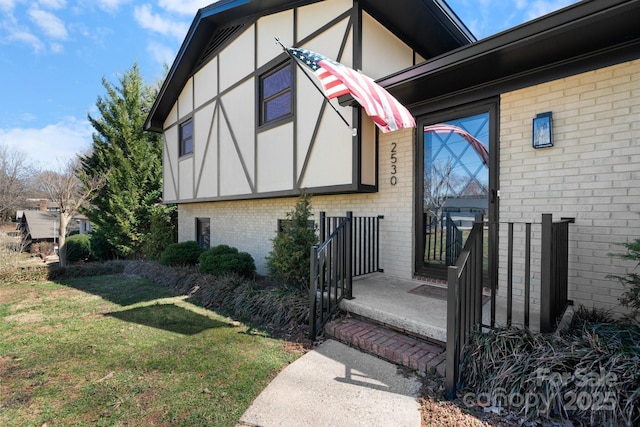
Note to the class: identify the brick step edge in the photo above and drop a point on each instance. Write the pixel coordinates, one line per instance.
(393, 346)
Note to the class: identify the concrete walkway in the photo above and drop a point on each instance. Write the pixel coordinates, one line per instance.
(336, 385)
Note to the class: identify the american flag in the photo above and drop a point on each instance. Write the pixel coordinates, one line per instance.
(478, 146)
(337, 80)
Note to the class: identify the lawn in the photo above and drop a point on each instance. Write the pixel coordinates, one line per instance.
(122, 350)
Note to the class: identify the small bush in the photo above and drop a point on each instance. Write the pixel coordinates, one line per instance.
(78, 248)
(262, 304)
(594, 356)
(42, 272)
(288, 261)
(222, 250)
(222, 260)
(181, 254)
(163, 231)
(631, 282)
(101, 249)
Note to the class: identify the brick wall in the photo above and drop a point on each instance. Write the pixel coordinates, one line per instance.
(592, 173)
(250, 225)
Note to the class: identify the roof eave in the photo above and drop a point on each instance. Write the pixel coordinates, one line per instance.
(563, 37)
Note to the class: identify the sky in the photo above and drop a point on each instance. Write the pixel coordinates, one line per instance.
(55, 53)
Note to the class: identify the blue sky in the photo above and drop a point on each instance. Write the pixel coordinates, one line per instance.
(54, 54)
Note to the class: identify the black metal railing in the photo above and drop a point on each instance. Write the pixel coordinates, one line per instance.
(442, 238)
(464, 304)
(554, 266)
(365, 240)
(554, 274)
(350, 247)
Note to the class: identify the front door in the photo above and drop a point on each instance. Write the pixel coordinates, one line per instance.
(455, 184)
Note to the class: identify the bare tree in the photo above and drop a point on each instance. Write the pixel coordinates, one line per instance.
(440, 183)
(70, 192)
(15, 175)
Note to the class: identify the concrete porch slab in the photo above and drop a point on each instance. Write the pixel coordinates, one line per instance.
(388, 300)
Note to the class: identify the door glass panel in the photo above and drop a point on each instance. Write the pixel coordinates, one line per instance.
(456, 184)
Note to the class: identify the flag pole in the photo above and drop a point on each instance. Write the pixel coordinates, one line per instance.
(316, 86)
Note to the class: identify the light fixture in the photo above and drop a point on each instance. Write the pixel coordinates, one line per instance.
(542, 131)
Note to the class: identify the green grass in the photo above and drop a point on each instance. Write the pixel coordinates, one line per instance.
(121, 350)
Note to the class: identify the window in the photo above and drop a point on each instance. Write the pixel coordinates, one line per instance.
(276, 94)
(203, 232)
(186, 138)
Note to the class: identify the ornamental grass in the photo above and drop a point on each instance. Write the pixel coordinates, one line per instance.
(587, 372)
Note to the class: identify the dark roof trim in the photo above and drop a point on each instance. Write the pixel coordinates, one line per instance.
(206, 24)
(581, 37)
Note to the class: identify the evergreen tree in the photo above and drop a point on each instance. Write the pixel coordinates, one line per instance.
(130, 160)
(289, 260)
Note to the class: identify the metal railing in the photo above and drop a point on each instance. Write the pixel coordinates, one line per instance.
(555, 271)
(464, 303)
(554, 265)
(365, 238)
(350, 248)
(442, 238)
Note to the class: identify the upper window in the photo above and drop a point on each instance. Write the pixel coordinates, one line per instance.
(186, 138)
(276, 94)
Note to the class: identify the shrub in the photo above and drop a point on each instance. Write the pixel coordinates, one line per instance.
(222, 250)
(162, 231)
(263, 304)
(288, 261)
(631, 297)
(42, 272)
(181, 254)
(222, 260)
(594, 357)
(101, 249)
(78, 247)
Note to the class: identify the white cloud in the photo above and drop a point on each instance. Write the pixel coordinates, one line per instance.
(7, 5)
(185, 7)
(13, 32)
(154, 22)
(161, 53)
(52, 4)
(53, 145)
(542, 7)
(50, 24)
(110, 5)
(56, 47)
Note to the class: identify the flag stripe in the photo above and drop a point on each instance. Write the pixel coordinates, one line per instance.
(337, 80)
(477, 145)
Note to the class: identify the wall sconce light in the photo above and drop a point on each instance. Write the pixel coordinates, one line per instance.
(542, 130)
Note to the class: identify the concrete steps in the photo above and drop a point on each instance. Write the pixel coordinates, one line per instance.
(389, 344)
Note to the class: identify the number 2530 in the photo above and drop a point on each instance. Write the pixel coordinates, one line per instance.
(394, 159)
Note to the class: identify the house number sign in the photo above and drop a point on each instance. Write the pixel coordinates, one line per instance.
(394, 159)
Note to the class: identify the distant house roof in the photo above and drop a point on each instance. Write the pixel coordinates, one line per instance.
(428, 26)
(40, 224)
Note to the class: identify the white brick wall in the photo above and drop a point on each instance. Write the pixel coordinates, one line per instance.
(250, 225)
(592, 173)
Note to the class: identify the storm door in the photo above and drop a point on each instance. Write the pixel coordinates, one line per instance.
(454, 188)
